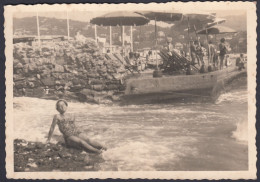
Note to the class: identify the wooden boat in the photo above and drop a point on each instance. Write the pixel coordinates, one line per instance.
(165, 88)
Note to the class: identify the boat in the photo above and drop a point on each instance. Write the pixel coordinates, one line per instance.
(168, 87)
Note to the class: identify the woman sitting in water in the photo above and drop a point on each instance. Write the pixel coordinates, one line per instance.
(73, 137)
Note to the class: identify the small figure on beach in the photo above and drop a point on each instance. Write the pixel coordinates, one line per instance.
(212, 53)
(199, 52)
(169, 45)
(193, 52)
(240, 62)
(222, 52)
(72, 136)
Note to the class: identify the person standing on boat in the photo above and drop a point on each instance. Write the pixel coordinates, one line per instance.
(222, 51)
(169, 45)
(199, 52)
(212, 52)
(193, 52)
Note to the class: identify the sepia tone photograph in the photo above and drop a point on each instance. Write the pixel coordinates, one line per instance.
(139, 89)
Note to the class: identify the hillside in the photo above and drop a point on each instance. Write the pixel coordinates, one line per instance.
(143, 36)
(53, 26)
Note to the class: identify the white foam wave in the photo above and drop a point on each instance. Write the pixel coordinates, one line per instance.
(234, 96)
(241, 132)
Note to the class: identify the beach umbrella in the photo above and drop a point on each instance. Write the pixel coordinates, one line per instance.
(164, 16)
(199, 15)
(168, 17)
(120, 18)
(197, 19)
(217, 21)
(192, 20)
(217, 29)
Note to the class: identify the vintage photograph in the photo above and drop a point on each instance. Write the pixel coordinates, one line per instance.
(99, 88)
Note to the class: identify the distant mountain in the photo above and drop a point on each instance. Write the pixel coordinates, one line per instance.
(143, 36)
(53, 26)
(236, 22)
(50, 26)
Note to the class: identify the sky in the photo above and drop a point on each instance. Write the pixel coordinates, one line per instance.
(86, 16)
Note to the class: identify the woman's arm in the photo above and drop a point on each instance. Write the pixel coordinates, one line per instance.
(54, 121)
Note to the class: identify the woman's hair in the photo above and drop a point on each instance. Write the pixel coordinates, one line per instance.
(61, 100)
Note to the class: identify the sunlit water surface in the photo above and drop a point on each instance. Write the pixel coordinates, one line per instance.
(166, 137)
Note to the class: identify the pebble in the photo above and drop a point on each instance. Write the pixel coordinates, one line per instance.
(28, 158)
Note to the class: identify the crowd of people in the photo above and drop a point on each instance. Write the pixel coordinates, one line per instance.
(217, 56)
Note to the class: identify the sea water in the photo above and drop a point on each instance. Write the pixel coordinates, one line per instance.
(164, 137)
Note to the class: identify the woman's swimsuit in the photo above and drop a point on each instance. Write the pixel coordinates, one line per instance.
(67, 127)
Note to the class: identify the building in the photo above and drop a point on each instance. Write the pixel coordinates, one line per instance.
(24, 39)
(154, 54)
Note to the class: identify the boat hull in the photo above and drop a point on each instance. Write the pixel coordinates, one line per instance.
(201, 86)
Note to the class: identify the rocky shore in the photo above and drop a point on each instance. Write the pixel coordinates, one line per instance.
(71, 70)
(36, 156)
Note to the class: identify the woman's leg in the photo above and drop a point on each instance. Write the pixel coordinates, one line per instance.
(76, 142)
(91, 142)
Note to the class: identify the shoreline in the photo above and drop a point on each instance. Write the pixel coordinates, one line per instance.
(72, 96)
(37, 156)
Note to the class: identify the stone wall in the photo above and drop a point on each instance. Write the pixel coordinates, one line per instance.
(71, 70)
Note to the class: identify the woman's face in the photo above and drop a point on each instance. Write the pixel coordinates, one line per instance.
(62, 107)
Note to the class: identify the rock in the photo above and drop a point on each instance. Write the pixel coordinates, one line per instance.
(48, 82)
(117, 76)
(112, 87)
(39, 145)
(31, 84)
(58, 68)
(98, 87)
(79, 63)
(17, 78)
(18, 66)
(88, 92)
(96, 82)
(20, 84)
(32, 67)
(93, 75)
